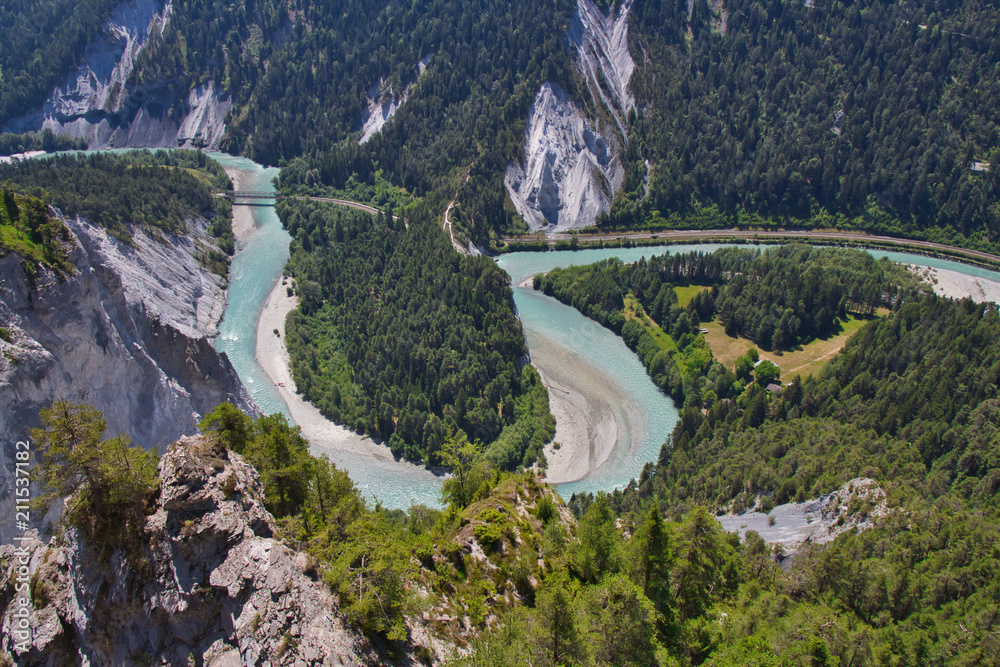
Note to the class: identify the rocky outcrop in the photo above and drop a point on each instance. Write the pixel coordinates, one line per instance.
(854, 506)
(570, 171)
(215, 587)
(96, 102)
(383, 104)
(128, 334)
(603, 57)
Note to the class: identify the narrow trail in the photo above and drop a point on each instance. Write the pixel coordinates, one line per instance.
(451, 232)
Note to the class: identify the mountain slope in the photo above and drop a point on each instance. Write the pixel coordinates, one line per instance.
(216, 584)
(125, 325)
(867, 115)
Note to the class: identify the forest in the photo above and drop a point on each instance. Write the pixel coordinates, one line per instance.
(910, 401)
(867, 115)
(28, 229)
(859, 115)
(46, 140)
(400, 337)
(41, 41)
(155, 191)
(645, 575)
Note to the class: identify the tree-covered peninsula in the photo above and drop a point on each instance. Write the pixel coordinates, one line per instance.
(399, 336)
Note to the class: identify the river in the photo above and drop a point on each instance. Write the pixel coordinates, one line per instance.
(559, 338)
(643, 414)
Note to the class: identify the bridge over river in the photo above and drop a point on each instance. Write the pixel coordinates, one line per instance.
(265, 198)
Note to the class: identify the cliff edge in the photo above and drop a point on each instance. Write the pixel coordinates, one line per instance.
(214, 587)
(128, 333)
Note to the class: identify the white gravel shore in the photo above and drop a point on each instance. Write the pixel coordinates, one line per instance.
(958, 285)
(587, 425)
(324, 436)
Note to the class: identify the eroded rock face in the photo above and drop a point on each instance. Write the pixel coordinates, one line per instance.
(383, 104)
(218, 587)
(96, 103)
(128, 334)
(854, 506)
(570, 170)
(602, 53)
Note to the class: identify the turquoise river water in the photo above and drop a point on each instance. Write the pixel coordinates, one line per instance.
(260, 260)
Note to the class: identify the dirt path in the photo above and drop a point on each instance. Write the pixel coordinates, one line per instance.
(451, 232)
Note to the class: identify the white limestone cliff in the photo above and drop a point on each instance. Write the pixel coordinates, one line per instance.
(570, 171)
(128, 334)
(96, 102)
(602, 53)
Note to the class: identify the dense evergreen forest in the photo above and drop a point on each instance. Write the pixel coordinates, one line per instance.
(158, 192)
(300, 74)
(779, 298)
(41, 41)
(46, 140)
(861, 114)
(791, 294)
(867, 114)
(399, 336)
(911, 401)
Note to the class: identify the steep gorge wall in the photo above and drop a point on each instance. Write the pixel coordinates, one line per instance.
(96, 103)
(571, 167)
(127, 334)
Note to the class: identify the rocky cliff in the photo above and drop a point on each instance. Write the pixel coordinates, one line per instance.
(571, 167)
(570, 171)
(603, 57)
(97, 103)
(215, 587)
(128, 333)
(383, 104)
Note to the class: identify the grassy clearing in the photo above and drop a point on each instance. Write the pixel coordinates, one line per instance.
(804, 360)
(26, 228)
(633, 311)
(688, 292)
(15, 240)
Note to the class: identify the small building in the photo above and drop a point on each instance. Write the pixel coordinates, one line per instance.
(775, 388)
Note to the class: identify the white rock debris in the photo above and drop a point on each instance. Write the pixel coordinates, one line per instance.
(602, 49)
(382, 104)
(855, 505)
(96, 103)
(570, 171)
